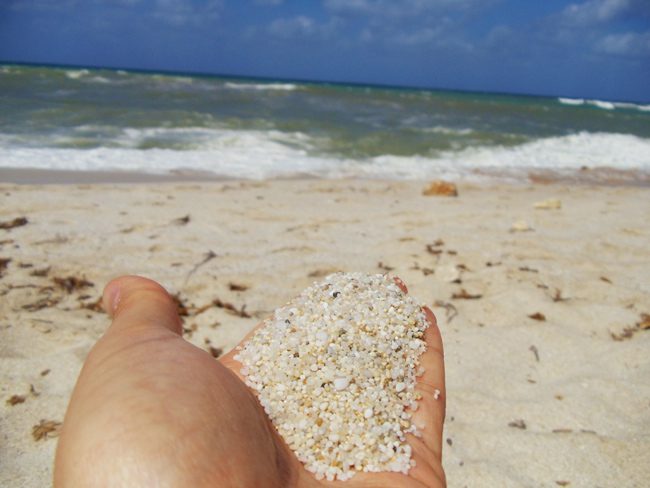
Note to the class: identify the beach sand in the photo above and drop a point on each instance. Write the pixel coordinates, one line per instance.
(561, 398)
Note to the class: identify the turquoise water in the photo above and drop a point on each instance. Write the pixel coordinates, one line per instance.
(102, 119)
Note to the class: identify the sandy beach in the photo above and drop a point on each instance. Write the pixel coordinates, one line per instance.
(543, 310)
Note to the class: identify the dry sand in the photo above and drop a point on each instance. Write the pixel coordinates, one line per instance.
(554, 402)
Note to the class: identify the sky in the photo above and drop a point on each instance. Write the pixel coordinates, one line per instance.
(588, 49)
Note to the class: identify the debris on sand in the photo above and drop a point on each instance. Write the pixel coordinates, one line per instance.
(181, 307)
(41, 272)
(231, 309)
(518, 424)
(629, 332)
(72, 283)
(46, 429)
(521, 226)
(237, 287)
(440, 188)
(550, 204)
(538, 316)
(16, 399)
(465, 295)
(450, 310)
(45, 302)
(4, 263)
(181, 220)
(11, 224)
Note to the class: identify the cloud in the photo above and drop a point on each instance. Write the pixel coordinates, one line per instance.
(397, 8)
(595, 11)
(626, 44)
(40, 5)
(185, 12)
(303, 27)
(420, 36)
(300, 25)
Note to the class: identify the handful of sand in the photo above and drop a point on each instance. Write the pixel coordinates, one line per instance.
(335, 369)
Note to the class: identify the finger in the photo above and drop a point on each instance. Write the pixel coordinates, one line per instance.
(401, 284)
(137, 303)
(430, 414)
(228, 359)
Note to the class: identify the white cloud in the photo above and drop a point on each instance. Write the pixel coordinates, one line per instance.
(292, 27)
(398, 8)
(421, 36)
(41, 5)
(627, 44)
(186, 12)
(595, 11)
(303, 27)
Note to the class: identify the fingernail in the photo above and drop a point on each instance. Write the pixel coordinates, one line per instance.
(112, 300)
(401, 284)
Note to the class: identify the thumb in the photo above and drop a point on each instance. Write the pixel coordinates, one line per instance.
(137, 303)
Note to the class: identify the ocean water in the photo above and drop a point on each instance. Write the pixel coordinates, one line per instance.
(100, 119)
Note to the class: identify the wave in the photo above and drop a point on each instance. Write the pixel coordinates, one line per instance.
(603, 104)
(632, 106)
(76, 73)
(269, 154)
(571, 101)
(439, 129)
(261, 86)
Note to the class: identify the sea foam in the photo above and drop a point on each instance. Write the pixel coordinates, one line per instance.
(269, 154)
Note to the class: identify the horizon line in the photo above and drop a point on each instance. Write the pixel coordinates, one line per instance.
(171, 72)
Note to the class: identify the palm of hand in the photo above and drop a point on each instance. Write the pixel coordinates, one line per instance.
(151, 409)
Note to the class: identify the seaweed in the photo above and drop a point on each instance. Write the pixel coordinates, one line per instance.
(450, 310)
(182, 220)
(72, 283)
(464, 295)
(518, 424)
(46, 429)
(45, 302)
(16, 399)
(538, 316)
(40, 273)
(237, 287)
(4, 263)
(12, 224)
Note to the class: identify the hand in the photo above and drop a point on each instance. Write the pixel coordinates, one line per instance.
(150, 409)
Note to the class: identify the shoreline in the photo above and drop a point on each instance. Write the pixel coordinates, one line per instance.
(607, 177)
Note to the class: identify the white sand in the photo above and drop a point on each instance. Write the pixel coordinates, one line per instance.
(272, 236)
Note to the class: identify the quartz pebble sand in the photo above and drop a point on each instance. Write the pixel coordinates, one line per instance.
(335, 369)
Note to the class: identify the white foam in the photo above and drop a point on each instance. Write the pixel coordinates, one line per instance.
(571, 101)
(268, 154)
(261, 86)
(239, 154)
(605, 105)
(77, 73)
(632, 106)
(99, 79)
(439, 129)
(602, 104)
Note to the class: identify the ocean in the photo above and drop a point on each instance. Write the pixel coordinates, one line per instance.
(116, 120)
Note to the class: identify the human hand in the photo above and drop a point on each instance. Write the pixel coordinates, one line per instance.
(150, 409)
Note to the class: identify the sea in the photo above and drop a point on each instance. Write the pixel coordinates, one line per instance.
(61, 118)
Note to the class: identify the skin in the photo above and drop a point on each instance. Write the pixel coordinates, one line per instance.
(150, 409)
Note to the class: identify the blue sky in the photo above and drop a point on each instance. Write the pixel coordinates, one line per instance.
(585, 48)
